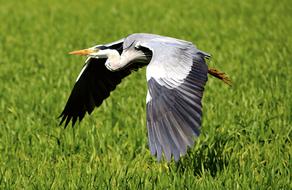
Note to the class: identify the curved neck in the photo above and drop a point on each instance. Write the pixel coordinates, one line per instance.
(113, 58)
(115, 61)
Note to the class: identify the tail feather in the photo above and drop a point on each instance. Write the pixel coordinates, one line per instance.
(220, 75)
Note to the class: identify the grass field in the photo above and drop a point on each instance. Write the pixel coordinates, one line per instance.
(246, 134)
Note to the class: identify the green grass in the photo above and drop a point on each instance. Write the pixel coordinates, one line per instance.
(246, 134)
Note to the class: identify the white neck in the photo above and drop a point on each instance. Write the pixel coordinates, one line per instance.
(115, 61)
(113, 58)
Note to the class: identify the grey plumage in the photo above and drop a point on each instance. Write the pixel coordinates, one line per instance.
(176, 75)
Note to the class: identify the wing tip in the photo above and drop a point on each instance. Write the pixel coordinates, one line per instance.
(176, 157)
(66, 118)
(63, 117)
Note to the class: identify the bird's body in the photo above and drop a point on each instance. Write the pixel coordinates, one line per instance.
(176, 75)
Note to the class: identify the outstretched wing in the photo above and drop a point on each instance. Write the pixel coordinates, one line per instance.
(93, 85)
(176, 78)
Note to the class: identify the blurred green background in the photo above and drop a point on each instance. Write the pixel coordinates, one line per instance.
(246, 133)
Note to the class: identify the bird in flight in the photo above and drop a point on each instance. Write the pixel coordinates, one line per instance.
(176, 75)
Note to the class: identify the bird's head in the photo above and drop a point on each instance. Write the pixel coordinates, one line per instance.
(112, 55)
(117, 58)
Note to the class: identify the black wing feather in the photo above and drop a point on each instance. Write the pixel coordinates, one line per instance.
(94, 86)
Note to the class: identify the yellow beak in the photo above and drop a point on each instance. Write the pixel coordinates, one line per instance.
(84, 51)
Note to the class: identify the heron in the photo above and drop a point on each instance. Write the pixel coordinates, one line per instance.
(176, 75)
